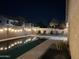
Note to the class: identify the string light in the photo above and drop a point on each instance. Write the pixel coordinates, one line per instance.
(1, 30)
(20, 30)
(1, 48)
(15, 30)
(27, 40)
(12, 30)
(5, 29)
(9, 29)
(15, 43)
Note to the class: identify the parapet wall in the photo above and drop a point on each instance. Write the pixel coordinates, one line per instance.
(73, 17)
(14, 31)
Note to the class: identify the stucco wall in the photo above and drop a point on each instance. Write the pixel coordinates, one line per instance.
(73, 17)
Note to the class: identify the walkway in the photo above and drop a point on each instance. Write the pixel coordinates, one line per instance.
(53, 37)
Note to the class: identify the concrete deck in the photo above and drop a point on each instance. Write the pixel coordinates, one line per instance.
(38, 51)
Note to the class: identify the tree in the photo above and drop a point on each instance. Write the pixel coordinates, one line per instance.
(40, 24)
(53, 23)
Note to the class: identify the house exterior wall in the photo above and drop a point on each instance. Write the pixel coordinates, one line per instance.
(73, 17)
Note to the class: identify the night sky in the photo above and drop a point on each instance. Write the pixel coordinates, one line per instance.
(35, 11)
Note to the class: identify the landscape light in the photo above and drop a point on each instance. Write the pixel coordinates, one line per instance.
(20, 41)
(17, 42)
(29, 39)
(26, 41)
(5, 48)
(12, 45)
(9, 47)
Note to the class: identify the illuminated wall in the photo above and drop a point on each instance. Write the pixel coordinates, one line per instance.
(73, 17)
